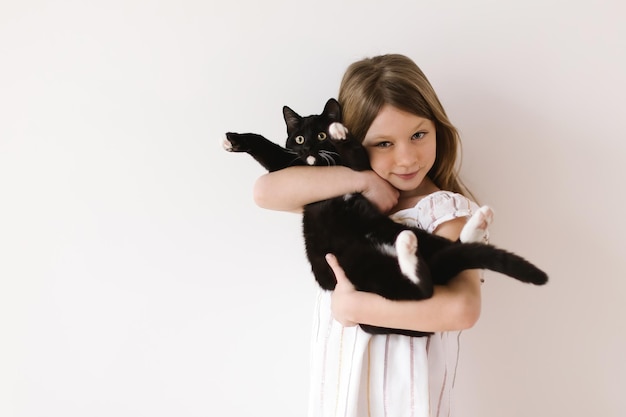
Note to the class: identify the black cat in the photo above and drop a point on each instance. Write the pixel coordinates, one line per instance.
(377, 254)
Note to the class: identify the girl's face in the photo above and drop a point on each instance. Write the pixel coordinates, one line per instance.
(402, 149)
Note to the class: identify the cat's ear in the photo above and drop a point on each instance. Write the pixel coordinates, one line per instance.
(292, 119)
(332, 110)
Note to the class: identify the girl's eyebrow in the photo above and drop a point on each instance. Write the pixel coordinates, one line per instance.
(381, 136)
(377, 137)
(419, 125)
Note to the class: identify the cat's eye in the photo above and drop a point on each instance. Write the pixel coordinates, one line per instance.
(321, 136)
(299, 140)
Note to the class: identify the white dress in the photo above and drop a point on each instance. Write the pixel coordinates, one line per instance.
(356, 374)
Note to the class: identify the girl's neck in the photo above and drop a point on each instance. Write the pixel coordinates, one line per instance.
(409, 199)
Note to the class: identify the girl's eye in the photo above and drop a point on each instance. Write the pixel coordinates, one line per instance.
(383, 144)
(418, 135)
(299, 140)
(321, 136)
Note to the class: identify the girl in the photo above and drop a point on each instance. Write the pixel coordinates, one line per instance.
(391, 107)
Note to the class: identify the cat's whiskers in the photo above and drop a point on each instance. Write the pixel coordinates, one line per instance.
(328, 157)
(329, 152)
(329, 160)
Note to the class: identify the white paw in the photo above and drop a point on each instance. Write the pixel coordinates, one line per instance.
(226, 144)
(475, 230)
(406, 248)
(406, 242)
(337, 131)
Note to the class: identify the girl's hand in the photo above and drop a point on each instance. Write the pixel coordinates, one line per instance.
(382, 194)
(343, 295)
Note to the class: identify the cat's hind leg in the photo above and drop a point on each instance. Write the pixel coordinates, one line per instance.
(475, 230)
(406, 249)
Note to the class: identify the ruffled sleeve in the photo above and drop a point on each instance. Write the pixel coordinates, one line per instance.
(435, 209)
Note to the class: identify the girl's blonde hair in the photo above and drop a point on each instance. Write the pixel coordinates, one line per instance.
(396, 80)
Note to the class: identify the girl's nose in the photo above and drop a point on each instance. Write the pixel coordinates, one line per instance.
(404, 156)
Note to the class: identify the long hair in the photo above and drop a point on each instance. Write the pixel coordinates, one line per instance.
(396, 80)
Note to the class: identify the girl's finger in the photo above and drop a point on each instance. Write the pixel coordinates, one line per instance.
(340, 275)
(334, 265)
(332, 260)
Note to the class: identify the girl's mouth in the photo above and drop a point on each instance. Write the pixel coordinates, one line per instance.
(407, 176)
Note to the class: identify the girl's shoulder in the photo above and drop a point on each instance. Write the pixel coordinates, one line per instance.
(436, 208)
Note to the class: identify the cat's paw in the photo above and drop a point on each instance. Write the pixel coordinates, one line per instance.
(227, 144)
(236, 142)
(475, 230)
(406, 248)
(337, 131)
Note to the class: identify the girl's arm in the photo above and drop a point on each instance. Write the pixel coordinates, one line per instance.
(292, 188)
(455, 306)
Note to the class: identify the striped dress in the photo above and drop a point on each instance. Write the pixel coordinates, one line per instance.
(355, 374)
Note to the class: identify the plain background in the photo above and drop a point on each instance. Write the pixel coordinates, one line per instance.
(138, 278)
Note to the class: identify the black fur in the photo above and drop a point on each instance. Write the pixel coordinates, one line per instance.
(353, 229)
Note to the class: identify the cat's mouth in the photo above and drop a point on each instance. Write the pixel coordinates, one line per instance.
(326, 158)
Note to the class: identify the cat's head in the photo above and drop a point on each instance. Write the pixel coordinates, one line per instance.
(308, 136)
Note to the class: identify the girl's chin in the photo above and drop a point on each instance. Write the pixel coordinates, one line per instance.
(407, 184)
(417, 186)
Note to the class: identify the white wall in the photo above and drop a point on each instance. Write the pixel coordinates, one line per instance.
(138, 278)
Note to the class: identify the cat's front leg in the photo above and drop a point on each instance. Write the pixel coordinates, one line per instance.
(351, 151)
(241, 142)
(271, 156)
(338, 131)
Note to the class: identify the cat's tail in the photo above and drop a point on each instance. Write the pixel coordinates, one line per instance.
(459, 257)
